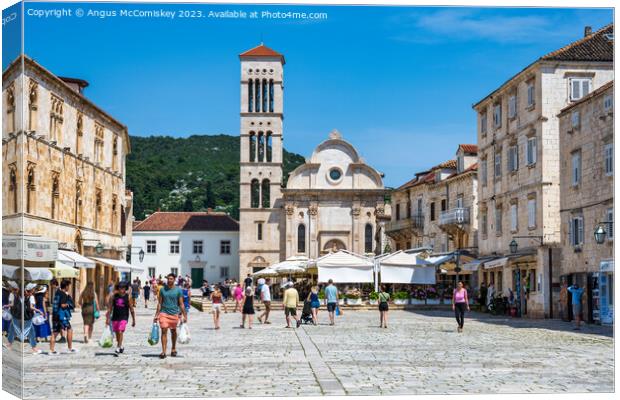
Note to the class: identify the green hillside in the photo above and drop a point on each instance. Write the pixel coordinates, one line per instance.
(188, 174)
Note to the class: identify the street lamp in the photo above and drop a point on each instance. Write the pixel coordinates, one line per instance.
(513, 246)
(99, 248)
(600, 233)
(141, 255)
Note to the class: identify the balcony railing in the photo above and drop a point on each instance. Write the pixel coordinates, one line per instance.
(455, 216)
(415, 222)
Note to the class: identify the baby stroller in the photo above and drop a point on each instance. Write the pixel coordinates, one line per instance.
(306, 313)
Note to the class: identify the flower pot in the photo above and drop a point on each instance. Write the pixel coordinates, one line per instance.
(354, 302)
(433, 302)
(417, 301)
(322, 302)
(341, 302)
(401, 302)
(373, 302)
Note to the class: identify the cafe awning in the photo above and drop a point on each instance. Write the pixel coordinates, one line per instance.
(401, 267)
(73, 259)
(62, 270)
(345, 267)
(30, 273)
(29, 248)
(119, 265)
(496, 263)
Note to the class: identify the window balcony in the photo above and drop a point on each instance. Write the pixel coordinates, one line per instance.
(415, 222)
(455, 216)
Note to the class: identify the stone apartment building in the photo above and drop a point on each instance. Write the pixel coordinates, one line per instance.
(586, 193)
(63, 164)
(437, 208)
(519, 156)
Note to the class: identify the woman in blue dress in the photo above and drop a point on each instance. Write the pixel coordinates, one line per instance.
(40, 299)
(315, 304)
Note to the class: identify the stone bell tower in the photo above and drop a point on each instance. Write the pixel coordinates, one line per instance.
(260, 197)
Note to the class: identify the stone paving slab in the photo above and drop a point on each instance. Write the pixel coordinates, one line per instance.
(420, 353)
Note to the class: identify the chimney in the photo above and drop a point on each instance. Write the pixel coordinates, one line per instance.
(587, 31)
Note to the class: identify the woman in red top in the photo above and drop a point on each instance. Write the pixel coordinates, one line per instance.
(459, 303)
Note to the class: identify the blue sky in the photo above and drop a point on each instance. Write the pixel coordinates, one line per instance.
(397, 82)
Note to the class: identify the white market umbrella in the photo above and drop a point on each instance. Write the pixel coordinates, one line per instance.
(30, 273)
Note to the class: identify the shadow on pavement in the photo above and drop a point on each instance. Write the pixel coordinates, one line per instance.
(520, 323)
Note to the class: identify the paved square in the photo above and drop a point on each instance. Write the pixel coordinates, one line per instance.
(420, 353)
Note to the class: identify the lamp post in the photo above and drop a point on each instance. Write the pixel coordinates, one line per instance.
(600, 233)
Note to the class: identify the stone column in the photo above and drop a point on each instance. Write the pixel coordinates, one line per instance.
(313, 211)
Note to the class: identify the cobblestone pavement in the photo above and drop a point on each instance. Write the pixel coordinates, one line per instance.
(420, 353)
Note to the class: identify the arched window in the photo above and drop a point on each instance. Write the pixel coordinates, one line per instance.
(114, 153)
(114, 214)
(301, 238)
(264, 95)
(265, 194)
(55, 195)
(261, 147)
(257, 95)
(13, 189)
(250, 95)
(30, 187)
(368, 239)
(252, 147)
(97, 208)
(78, 204)
(254, 193)
(268, 149)
(271, 95)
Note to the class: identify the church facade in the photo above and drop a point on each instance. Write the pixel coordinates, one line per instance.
(333, 201)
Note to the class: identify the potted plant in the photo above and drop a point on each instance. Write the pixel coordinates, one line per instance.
(432, 297)
(322, 298)
(373, 298)
(401, 298)
(353, 299)
(418, 296)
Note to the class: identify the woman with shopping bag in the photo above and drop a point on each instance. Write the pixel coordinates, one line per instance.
(90, 310)
(119, 309)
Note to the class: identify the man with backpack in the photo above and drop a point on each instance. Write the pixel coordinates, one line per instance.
(23, 327)
(61, 317)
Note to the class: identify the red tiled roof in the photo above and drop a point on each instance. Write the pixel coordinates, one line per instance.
(469, 148)
(134, 224)
(188, 221)
(262, 51)
(594, 47)
(447, 164)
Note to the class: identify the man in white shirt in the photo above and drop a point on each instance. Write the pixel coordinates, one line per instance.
(265, 296)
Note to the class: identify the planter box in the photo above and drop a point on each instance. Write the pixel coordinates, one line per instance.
(401, 302)
(354, 302)
(434, 302)
(322, 302)
(341, 302)
(417, 301)
(373, 302)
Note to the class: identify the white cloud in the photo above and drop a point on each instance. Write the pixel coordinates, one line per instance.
(464, 24)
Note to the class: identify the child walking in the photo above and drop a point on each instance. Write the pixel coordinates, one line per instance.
(119, 309)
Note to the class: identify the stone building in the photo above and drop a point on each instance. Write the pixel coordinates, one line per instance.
(519, 153)
(586, 193)
(437, 208)
(333, 201)
(63, 164)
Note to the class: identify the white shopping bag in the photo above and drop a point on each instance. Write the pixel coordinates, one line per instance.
(184, 336)
(6, 314)
(106, 338)
(38, 319)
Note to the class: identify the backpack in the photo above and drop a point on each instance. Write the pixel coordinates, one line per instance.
(16, 309)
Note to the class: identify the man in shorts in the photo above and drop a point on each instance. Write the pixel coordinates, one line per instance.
(135, 292)
(265, 296)
(61, 317)
(247, 282)
(290, 302)
(169, 306)
(331, 296)
(576, 293)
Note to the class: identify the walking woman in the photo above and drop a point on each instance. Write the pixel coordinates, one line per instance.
(216, 305)
(238, 294)
(384, 297)
(89, 305)
(459, 303)
(248, 308)
(44, 330)
(313, 296)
